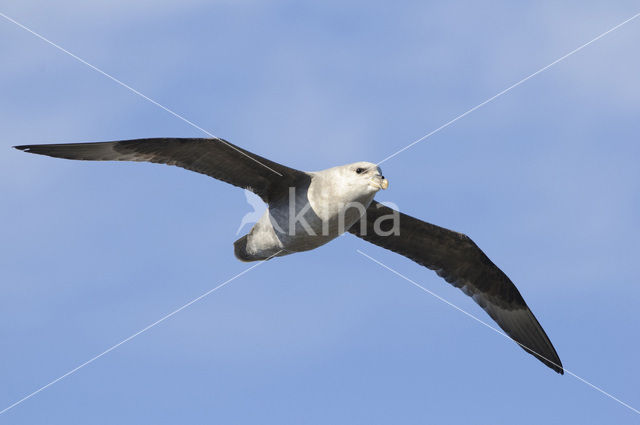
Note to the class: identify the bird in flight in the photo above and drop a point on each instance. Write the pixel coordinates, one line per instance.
(308, 209)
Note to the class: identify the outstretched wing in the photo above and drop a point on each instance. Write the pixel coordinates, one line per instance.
(214, 157)
(457, 259)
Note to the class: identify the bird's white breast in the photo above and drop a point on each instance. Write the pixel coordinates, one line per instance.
(307, 218)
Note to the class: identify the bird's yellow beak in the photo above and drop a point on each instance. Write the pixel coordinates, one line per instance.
(379, 182)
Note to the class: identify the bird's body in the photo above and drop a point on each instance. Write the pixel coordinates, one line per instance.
(313, 213)
(309, 209)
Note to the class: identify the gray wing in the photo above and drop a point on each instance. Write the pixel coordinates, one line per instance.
(214, 157)
(460, 262)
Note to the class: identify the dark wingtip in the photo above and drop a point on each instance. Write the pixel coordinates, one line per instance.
(23, 148)
(550, 357)
(559, 368)
(556, 364)
(556, 367)
(553, 363)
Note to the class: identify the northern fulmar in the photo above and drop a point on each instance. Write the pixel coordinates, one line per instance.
(308, 209)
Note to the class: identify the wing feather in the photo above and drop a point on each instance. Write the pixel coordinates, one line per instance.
(457, 259)
(214, 157)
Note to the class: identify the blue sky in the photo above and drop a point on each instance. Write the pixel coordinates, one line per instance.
(545, 179)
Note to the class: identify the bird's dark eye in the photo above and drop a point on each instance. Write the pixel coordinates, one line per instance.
(360, 170)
